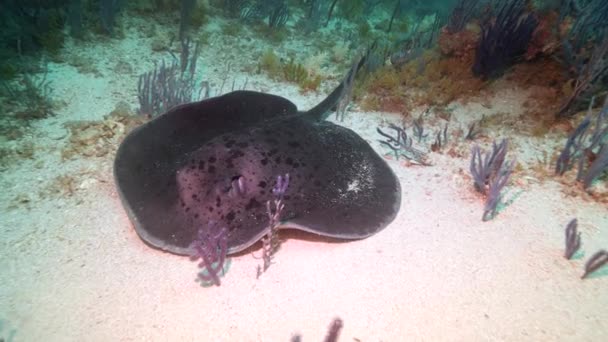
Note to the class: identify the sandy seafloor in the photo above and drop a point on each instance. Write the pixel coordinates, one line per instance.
(73, 269)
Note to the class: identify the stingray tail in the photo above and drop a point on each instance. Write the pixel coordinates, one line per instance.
(318, 112)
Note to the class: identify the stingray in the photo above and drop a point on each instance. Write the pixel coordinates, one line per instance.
(217, 160)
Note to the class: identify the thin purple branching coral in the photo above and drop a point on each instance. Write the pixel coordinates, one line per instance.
(597, 260)
(484, 168)
(590, 74)
(573, 239)
(491, 173)
(274, 208)
(280, 187)
(587, 147)
(495, 187)
(211, 246)
(402, 145)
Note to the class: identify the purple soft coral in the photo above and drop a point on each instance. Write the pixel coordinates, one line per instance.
(270, 242)
(211, 245)
(490, 175)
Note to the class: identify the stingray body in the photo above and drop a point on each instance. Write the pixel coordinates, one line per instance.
(218, 159)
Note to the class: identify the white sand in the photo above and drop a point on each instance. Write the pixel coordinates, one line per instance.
(73, 269)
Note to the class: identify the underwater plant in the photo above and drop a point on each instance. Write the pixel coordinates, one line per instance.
(170, 85)
(573, 239)
(185, 17)
(274, 208)
(587, 146)
(276, 12)
(334, 330)
(503, 38)
(436, 80)
(494, 191)
(314, 10)
(108, 10)
(161, 89)
(460, 15)
(473, 130)
(441, 139)
(332, 333)
(486, 167)
(233, 8)
(588, 26)
(34, 94)
(290, 71)
(413, 46)
(597, 260)
(29, 26)
(330, 12)
(490, 175)
(590, 74)
(294, 72)
(211, 246)
(402, 145)
(396, 10)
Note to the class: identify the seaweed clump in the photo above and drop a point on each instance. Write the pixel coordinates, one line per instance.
(436, 77)
(290, 71)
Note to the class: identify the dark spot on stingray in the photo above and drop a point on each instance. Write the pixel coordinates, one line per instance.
(252, 204)
(277, 160)
(262, 184)
(296, 165)
(156, 183)
(234, 154)
(288, 161)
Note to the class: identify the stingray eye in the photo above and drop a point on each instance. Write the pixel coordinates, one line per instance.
(237, 186)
